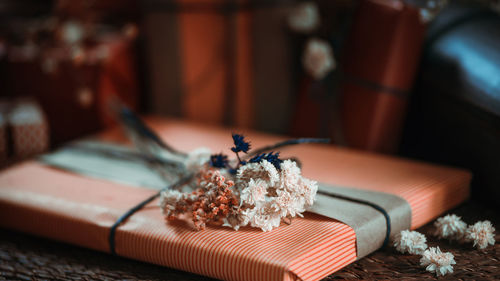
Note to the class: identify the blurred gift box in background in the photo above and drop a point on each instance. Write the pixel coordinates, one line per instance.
(69, 56)
(418, 78)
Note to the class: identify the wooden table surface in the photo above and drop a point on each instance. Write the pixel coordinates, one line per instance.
(25, 257)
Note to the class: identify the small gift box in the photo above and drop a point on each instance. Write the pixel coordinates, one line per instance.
(28, 128)
(73, 87)
(24, 131)
(84, 210)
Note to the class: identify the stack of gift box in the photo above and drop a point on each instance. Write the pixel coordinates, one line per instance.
(245, 60)
(75, 60)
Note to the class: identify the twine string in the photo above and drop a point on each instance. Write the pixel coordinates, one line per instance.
(133, 210)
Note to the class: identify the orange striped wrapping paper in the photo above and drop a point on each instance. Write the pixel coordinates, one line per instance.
(68, 207)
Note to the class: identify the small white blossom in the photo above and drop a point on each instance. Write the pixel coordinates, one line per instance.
(255, 192)
(309, 190)
(436, 261)
(287, 204)
(481, 233)
(290, 176)
(304, 17)
(263, 170)
(265, 220)
(168, 201)
(268, 196)
(412, 242)
(450, 227)
(271, 173)
(318, 58)
(72, 32)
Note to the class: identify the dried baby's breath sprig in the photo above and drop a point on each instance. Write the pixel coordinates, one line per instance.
(481, 234)
(212, 201)
(450, 227)
(411, 242)
(436, 261)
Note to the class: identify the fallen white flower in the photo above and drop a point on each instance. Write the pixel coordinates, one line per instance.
(436, 261)
(450, 227)
(481, 233)
(412, 242)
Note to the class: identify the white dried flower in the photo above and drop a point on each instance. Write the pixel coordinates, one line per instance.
(318, 58)
(169, 200)
(288, 205)
(436, 261)
(304, 17)
(268, 196)
(262, 170)
(290, 175)
(265, 219)
(450, 227)
(271, 173)
(72, 32)
(412, 242)
(255, 192)
(481, 233)
(309, 190)
(197, 158)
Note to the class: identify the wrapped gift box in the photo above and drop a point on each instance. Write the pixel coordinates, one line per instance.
(362, 103)
(80, 210)
(382, 56)
(217, 52)
(72, 93)
(24, 131)
(29, 130)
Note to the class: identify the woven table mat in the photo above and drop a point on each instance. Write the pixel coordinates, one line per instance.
(25, 257)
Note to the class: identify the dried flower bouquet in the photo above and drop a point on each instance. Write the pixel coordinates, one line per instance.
(262, 191)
